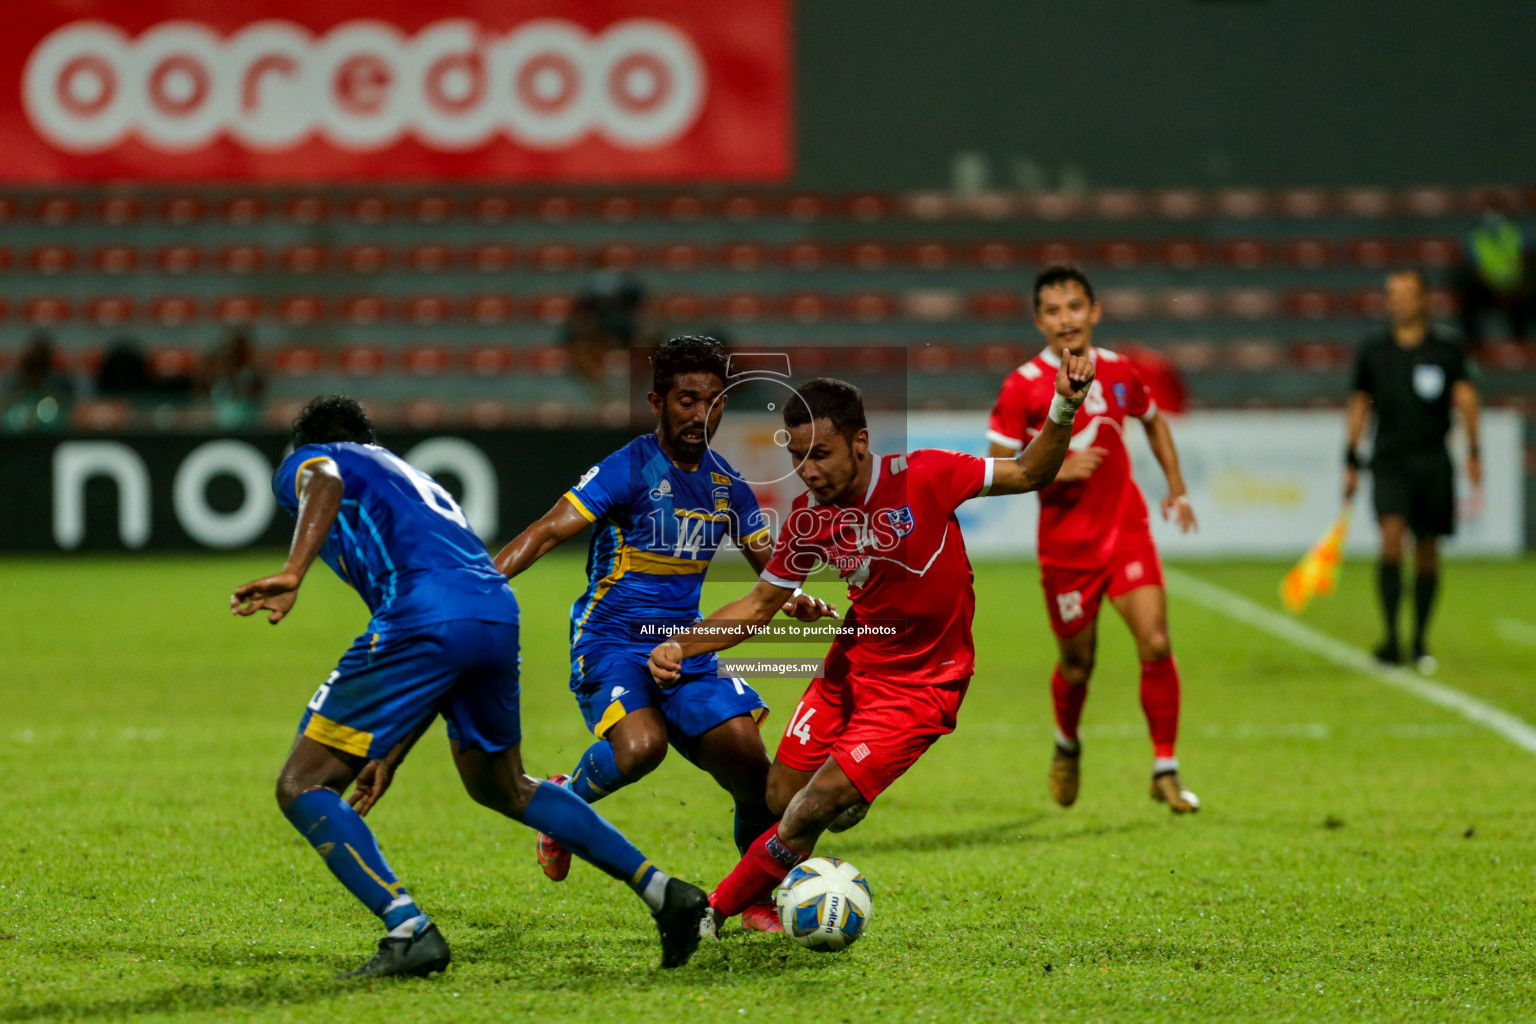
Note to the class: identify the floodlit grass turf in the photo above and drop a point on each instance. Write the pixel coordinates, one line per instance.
(1362, 855)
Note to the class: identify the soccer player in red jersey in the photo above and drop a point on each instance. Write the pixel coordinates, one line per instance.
(893, 680)
(1095, 538)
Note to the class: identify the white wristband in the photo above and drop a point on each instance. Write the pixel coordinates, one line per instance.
(1063, 410)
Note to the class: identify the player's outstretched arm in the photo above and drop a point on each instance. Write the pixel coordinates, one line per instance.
(726, 628)
(801, 605)
(1040, 461)
(1176, 503)
(320, 491)
(557, 526)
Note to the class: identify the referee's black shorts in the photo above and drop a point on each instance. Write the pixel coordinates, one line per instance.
(1421, 488)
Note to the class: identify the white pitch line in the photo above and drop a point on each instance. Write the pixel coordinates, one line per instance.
(1519, 632)
(1266, 620)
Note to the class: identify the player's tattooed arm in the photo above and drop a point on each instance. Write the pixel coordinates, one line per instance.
(1040, 461)
(801, 605)
(1176, 502)
(557, 526)
(320, 491)
(726, 628)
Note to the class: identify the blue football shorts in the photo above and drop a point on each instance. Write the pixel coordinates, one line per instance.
(388, 682)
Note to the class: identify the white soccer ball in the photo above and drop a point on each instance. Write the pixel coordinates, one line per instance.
(824, 904)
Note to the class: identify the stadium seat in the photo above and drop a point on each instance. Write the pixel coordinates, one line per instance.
(870, 255)
(114, 259)
(361, 360)
(300, 310)
(52, 259)
(371, 209)
(619, 209)
(306, 209)
(743, 307)
(999, 358)
(119, 210)
(932, 255)
(743, 206)
(110, 310)
(1179, 203)
(1320, 356)
(1366, 302)
(1191, 356)
(805, 256)
(492, 258)
(682, 306)
(297, 361)
(871, 306)
(426, 360)
(424, 414)
(243, 209)
(1187, 303)
(556, 256)
(56, 210)
(934, 358)
(1507, 356)
(237, 309)
(431, 258)
(432, 209)
(806, 206)
(870, 206)
(997, 305)
(807, 307)
(744, 256)
(1442, 303)
(620, 255)
(171, 361)
(553, 309)
(428, 309)
(1255, 355)
(1118, 204)
(100, 415)
(1304, 203)
(1433, 253)
(1367, 202)
(1252, 303)
(1182, 253)
(548, 360)
(933, 304)
(183, 210)
(1000, 255)
(1245, 253)
(488, 414)
(684, 207)
(7, 258)
(1308, 253)
(241, 259)
(1045, 205)
(1125, 303)
(173, 310)
(494, 209)
(1312, 303)
(680, 256)
(1120, 254)
(1371, 253)
(489, 360)
(178, 259)
(304, 259)
(927, 205)
(557, 209)
(1242, 203)
(365, 259)
(1045, 254)
(1430, 202)
(490, 309)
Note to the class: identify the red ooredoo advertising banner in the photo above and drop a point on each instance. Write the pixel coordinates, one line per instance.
(286, 90)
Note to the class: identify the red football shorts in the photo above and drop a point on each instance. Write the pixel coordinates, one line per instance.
(874, 730)
(1073, 596)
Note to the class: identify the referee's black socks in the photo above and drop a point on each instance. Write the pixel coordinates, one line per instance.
(1389, 585)
(1425, 584)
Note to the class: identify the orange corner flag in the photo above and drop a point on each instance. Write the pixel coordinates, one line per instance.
(1318, 570)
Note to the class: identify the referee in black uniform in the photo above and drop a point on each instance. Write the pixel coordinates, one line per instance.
(1411, 373)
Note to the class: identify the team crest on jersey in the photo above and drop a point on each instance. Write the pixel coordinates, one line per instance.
(1428, 381)
(722, 497)
(1120, 395)
(586, 478)
(901, 519)
(719, 479)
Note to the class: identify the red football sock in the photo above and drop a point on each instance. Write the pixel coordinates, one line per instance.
(762, 867)
(1069, 701)
(1160, 701)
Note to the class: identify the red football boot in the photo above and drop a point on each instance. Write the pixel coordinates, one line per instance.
(553, 858)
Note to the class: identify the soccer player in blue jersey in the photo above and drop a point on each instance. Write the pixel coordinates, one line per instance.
(661, 506)
(443, 638)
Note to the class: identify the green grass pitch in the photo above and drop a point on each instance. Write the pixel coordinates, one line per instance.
(1362, 855)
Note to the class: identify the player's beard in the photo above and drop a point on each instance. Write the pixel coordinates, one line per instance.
(686, 448)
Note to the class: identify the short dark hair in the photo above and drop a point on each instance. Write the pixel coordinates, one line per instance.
(827, 398)
(328, 419)
(687, 354)
(1061, 273)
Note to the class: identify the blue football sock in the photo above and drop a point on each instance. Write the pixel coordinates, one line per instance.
(348, 848)
(566, 818)
(752, 820)
(597, 774)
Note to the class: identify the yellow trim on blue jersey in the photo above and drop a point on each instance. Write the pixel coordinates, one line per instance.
(639, 872)
(612, 715)
(338, 736)
(657, 564)
(604, 585)
(298, 474)
(759, 716)
(586, 513)
(754, 536)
